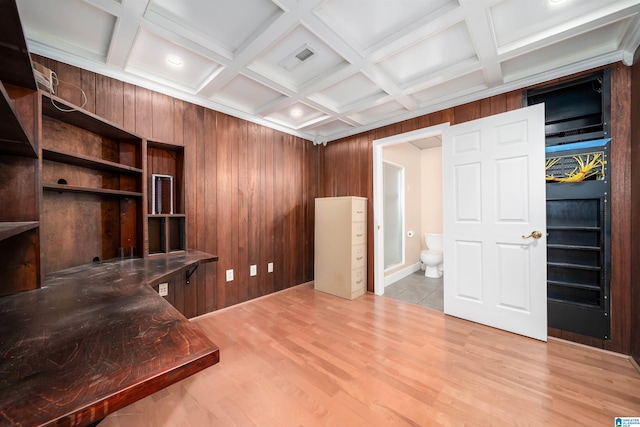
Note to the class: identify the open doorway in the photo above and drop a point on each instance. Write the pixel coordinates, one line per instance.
(407, 281)
(413, 281)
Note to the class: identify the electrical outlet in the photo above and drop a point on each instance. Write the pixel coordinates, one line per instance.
(270, 267)
(163, 289)
(253, 270)
(229, 275)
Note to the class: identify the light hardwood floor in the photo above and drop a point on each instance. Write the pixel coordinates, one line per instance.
(304, 358)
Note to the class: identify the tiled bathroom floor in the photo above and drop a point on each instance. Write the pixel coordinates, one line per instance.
(417, 289)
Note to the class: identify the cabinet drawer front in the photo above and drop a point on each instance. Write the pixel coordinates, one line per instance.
(359, 211)
(358, 279)
(359, 233)
(358, 256)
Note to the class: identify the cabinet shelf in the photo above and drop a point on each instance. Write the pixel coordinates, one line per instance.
(88, 190)
(88, 162)
(13, 137)
(574, 247)
(571, 228)
(10, 229)
(575, 303)
(583, 286)
(573, 266)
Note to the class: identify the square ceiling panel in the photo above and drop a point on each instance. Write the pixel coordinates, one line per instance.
(296, 59)
(511, 25)
(296, 116)
(348, 91)
(601, 41)
(246, 94)
(379, 112)
(460, 86)
(167, 63)
(89, 32)
(365, 23)
(230, 24)
(431, 55)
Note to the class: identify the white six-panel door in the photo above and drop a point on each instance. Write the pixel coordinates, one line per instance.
(493, 198)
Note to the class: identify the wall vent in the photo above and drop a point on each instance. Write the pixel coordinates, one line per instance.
(298, 57)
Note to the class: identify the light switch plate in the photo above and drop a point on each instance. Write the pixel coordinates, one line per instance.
(229, 275)
(270, 267)
(253, 270)
(163, 289)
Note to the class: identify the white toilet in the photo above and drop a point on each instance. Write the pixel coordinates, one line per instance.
(432, 257)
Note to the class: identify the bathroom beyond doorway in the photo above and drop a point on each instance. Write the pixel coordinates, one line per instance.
(418, 289)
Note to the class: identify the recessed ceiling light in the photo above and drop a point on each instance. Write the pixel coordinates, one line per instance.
(175, 61)
(295, 112)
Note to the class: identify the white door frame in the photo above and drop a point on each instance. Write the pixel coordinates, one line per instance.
(378, 220)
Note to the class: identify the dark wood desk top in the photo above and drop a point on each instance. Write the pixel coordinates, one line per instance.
(94, 339)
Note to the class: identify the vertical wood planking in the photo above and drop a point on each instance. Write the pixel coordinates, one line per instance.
(268, 248)
(178, 122)
(254, 209)
(279, 214)
(129, 107)
(620, 157)
(195, 289)
(162, 117)
(242, 273)
(210, 224)
(635, 213)
(192, 178)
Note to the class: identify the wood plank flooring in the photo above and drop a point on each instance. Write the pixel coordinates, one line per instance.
(303, 358)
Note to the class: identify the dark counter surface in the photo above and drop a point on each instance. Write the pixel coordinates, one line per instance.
(94, 339)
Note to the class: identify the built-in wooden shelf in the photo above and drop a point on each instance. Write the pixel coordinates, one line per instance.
(89, 190)
(13, 137)
(88, 162)
(167, 216)
(10, 229)
(16, 61)
(84, 119)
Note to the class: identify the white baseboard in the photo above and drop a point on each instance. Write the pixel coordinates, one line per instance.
(401, 274)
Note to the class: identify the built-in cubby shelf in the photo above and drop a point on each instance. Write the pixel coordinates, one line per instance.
(89, 190)
(82, 119)
(19, 182)
(93, 185)
(167, 232)
(88, 161)
(14, 139)
(10, 229)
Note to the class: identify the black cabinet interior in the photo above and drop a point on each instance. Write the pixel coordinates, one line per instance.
(578, 215)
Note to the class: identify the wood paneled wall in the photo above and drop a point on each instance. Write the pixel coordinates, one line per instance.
(249, 190)
(635, 206)
(346, 168)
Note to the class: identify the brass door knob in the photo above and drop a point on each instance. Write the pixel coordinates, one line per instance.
(535, 234)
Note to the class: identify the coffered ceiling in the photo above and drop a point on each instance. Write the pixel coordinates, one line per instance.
(325, 69)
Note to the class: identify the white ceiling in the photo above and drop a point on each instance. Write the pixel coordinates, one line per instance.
(374, 62)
